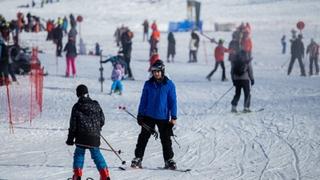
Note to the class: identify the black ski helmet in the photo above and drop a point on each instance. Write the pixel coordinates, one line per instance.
(158, 66)
(82, 90)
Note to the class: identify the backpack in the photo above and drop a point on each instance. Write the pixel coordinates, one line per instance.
(239, 66)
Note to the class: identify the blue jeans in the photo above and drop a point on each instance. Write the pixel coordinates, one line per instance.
(117, 85)
(78, 158)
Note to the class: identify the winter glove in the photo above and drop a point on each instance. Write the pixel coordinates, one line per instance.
(140, 119)
(252, 82)
(70, 142)
(70, 139)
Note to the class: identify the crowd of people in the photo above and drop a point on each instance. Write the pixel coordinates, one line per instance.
(298, 51)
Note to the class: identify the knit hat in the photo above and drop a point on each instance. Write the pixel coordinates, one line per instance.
(82, 90)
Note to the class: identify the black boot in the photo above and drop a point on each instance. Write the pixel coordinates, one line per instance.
(170, 164)
(136, 162)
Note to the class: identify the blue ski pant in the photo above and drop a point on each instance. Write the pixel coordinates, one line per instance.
(117, 85)
(78, 158)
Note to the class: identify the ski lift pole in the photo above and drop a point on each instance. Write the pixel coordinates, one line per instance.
(101, 79)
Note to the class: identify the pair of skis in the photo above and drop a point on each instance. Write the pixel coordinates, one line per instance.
(158, 168)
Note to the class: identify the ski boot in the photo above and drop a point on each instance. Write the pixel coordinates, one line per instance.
(170, 164)
(234, 109)
(110, 93)
(77, 173)
(104, 174)
(246, 110)
(136, 162)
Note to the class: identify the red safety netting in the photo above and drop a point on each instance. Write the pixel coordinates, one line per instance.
(20, 103)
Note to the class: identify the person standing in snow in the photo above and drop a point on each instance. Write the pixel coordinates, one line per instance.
(71, 55)
(57, 38)
(86, 122)
(171, 47)
(234, 45)
(158, 106)
(116, 77)
(242, 78)
(126, 41)
(65, 25)
(4, 60)
(297, 52)
(246, 44)
(284, 44)
(154, 40)
(193, 47)
(219, 56)
(313, 51)
(145, 25)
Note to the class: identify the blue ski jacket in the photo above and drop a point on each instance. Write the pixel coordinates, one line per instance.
(158, 100)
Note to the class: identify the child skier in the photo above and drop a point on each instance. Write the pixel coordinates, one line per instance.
(86, 122)
(219, 56)
(116, 76)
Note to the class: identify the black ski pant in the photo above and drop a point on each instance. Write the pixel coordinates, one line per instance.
(165, 130)
(221, 63)
(245, 85)
(302, 70)
(127, 59)
(12, 74)
(59, 47)
(193, 56)
(4, 75)
(313, 60)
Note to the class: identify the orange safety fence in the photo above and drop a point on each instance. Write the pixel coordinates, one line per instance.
(20, 103)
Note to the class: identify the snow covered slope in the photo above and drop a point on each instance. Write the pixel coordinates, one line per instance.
(281, 142)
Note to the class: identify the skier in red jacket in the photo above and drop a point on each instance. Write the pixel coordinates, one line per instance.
(219, 56)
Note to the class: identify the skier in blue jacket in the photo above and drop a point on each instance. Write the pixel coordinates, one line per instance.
(158, 106)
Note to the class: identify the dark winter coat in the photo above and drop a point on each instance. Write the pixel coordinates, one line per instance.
(171, 44)
(158, 100)
(57, 33)
(3, 52)
(313, 50)
(297, 48)
(126, 42)
(71, 49)
(116, 60)
(86, 121)
(248, 74)
(235, 46)
(197, 39)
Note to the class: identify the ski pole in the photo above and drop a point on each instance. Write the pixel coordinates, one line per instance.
(115, 152)
(285, 63)
(176, 141)
(211, 39)
(148, 128)
(221, 97)
(105, 149)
